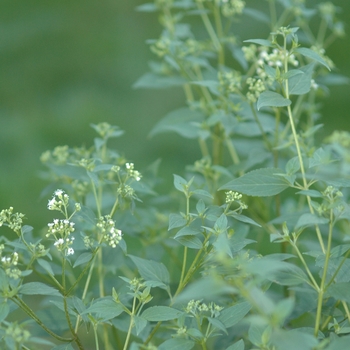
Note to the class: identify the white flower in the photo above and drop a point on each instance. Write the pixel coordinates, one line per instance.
(70, 251)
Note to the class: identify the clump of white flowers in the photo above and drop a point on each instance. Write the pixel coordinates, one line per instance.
(62, 229)
(111, 235)
(196, 307)
(131, 172)
(9, 263)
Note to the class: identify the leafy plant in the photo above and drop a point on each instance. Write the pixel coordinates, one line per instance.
(248, 251)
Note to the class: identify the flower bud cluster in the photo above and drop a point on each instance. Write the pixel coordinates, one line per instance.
(9, 264)
(256, 87)
(111, 235)
(133, 173)
(12, 220)
(230, 81)
(18, 334)
(232, 197)
(58, 156)
(232, 7)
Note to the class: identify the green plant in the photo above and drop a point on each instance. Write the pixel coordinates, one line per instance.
(249, 251)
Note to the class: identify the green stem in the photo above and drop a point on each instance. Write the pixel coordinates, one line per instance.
(324, 276)
(131, 324)
(31, 313)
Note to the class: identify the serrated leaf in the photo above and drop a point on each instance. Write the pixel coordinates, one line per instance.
(82, 259)
(261, 183)
(301, 84)
(339, 291)
(262, 42)
(292, 166)
(232, 315)
(319, 157)
(33, 288)
(140, 324)
(177, 344)
(187, 231)
(272, 99)
(161, 313)
(151, 270)
(221, 223)
(313, 55)
(243, 218)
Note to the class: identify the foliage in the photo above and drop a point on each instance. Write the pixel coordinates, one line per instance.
(122, 266)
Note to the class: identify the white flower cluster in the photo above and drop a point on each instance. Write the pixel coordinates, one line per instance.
(232, 196)
(111, 235)
(256, 87)
(61, 230)
(276, 58)
(232, 7)
(13, 220)
(195, 307)
(131, 172)
(59, 200)
(9, 264)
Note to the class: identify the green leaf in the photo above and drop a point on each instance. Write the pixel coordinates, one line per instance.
(82, 259)
(294, 339)
(149, 7)
(261, 183)
(183, 121)
(4, 310)
(339, 291)
(320, 157)
(140, 324)
(156, 81)
(63, 347)
(221, 223)
(202, 193)
(218, 324)
(309, 219)
(46, 266)
(243, 218)
(34, 288)
(272, 99)
(161, 313)
(180, 183)
(176, 220)
(232, 315)
(177, 344)
(237, 346)
(105, 308)
(313, 55)
(152, 271)
(262, 42)
(187, 231)
(301, 84)
(192, 242)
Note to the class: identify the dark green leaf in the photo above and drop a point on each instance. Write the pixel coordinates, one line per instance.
(46, 266)
(272, 99)
(339, 291)
(261, 183)
(262, 42)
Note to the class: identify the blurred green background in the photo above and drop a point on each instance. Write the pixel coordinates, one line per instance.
(66, 64)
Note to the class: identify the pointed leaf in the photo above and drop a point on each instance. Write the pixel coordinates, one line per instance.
(301, 84)
(192, 242)
(82, 259)
(34, 288)
(176, 220)
(261, 183)
(105, 308)
(309, 220)
(272, 99)
(262, 42)
(151, 270)
(232, 315)
(313, 55)
(177, 344)
(237, 346)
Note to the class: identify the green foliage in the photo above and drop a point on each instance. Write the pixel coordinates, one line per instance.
(123, 267)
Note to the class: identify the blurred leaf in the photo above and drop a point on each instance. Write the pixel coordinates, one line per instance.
(309, 219)
(183, 121)
(257, 15)
(82, 259)
(63, 347)
(187, 231)
(156, 81)
(339, 291)
(140, 324)
(217, 324)
(294, 339)
(232, 315)
(192, 242)
(180, 183)
(237, 346)
(262, 42)
(4, 310)
(46, 266)
(176, 220)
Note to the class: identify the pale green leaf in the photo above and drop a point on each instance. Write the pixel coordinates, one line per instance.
(192, 242)
(46, 266)
(272, 99)
(82, 259)
(301, 84)
(4, 310)
(161, 313)
(140, 324)
(38, 288)
(292, 340)
(233, 314)
(309, 219)
(262, 42)
(177, 344)
(237, 346)
(176, 220)
(339, 291)
(156, 81)
(105, 308)
(261, 183)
